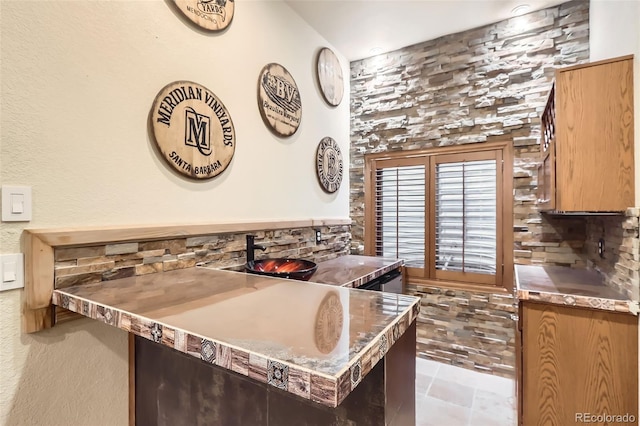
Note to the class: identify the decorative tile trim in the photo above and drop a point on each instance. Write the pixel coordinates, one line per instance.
(625, 306)
(324, 389)
(358, 282)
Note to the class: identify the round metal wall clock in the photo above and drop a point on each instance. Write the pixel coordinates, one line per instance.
(329, 165)
(279, 100)
(193, 130)
(330, 76)
(212, 15)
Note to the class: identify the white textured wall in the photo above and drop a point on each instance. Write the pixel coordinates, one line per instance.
(615, 31)
(78, 79)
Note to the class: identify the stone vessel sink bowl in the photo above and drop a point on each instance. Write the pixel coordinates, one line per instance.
(295, 269)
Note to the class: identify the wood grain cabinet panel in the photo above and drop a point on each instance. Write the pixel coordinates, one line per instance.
(587, 127)
(576, 362)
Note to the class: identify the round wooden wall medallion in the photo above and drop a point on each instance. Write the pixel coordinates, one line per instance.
(329, 164)
(330, 76)
(279, 100)
(213, 15)
(329, 321)
(193, 130)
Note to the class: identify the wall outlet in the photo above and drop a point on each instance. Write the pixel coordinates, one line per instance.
(601, 248)
(318, 236)
(11, 271)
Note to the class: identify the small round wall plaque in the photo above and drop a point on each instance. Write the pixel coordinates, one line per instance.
(193, 130)
(330, 76)
(279, 100)
(329, 164)
(212, 15)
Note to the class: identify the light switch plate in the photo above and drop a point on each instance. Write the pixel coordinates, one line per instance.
(16, 203)
(11, 270)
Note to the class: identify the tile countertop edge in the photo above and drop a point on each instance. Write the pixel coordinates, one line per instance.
(223, 354)
(574, 300)
(373, 275)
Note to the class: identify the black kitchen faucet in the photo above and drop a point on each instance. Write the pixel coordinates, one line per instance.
(252, 246)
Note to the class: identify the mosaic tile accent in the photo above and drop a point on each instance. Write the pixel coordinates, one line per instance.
(156, 333)
(278, 375)
(356, 374)
(383, 346)
(208, 351)
(326, 390)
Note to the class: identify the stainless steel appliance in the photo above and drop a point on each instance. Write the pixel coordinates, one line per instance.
(391, 282)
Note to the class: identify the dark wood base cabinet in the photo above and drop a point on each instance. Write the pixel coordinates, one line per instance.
(577, 366)
(174, 389)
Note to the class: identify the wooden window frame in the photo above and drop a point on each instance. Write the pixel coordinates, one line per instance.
(503, 282)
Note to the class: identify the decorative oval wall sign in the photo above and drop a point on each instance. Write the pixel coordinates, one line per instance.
(330, 76)
(329, 164)
(279, 100)
(193, 130)
(213, 15)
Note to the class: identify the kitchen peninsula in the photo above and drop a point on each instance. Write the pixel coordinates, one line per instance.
(279, 351)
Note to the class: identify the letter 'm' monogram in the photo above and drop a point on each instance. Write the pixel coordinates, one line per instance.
(197, 131)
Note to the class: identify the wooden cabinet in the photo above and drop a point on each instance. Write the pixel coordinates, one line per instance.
(576, 361)
(587, 139)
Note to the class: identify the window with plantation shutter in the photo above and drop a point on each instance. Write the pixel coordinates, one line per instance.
(442, 212)
(400, 204)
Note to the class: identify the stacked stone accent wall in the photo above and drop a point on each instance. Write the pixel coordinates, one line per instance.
(620, 266)
(476, 86)
(83, 265)
(471, 330)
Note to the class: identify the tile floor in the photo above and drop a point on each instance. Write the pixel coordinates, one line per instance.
(455, 396)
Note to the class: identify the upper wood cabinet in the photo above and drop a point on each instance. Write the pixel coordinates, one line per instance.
(587, 139)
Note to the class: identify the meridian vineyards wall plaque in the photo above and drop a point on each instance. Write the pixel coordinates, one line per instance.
(193, 130)
(213, 15)
(279, 100)
(330, 76)
(329, 165)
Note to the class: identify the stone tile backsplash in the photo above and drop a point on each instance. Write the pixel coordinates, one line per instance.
(620, 263)
(83, 265)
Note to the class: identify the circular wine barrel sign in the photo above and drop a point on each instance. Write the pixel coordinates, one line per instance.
(213, 15)
(193, 130)
(330, 76)
(279, 100)
(329, 165)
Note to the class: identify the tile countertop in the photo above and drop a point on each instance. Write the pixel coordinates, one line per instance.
(353, 270)
(572, 287)
(315, 341)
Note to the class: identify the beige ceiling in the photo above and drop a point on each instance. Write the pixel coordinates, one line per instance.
(354, 27)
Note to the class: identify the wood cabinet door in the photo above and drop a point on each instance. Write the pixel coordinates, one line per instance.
(546, 193)
(577, 361)
(594, 136)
